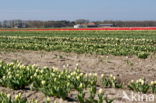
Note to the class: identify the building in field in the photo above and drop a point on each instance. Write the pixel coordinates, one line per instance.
(78, 26)
(86, 25)
(105, 25)
(92, 25)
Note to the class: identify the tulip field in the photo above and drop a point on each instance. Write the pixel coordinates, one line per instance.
(73, 86)
(139, 43)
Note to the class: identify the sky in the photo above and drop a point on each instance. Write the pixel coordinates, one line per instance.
(78, 9)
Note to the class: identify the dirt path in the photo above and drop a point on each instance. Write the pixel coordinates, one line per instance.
(124, 67)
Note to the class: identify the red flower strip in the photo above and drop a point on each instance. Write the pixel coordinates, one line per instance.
(85, 29)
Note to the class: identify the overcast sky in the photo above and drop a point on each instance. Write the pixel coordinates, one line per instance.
(78, 9)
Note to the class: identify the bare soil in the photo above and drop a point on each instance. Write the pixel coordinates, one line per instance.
(125, 68)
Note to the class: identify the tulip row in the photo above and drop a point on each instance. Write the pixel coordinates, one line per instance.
(7, 98)
(143, 86)
(83, 34)
(52, 82)
(140, 85)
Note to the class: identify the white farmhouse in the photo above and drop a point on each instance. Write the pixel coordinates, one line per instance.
(77, 26)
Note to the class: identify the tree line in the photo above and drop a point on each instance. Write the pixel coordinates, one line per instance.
(65, 23)
(131, 23)
(35, 24)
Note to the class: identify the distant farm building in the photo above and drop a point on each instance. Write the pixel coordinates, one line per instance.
(86, 25)
(92, 25)
(105, 25)
(78, 26)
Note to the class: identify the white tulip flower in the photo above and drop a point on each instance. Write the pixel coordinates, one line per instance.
(48, 99)
(100, 91)
(43, 82)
